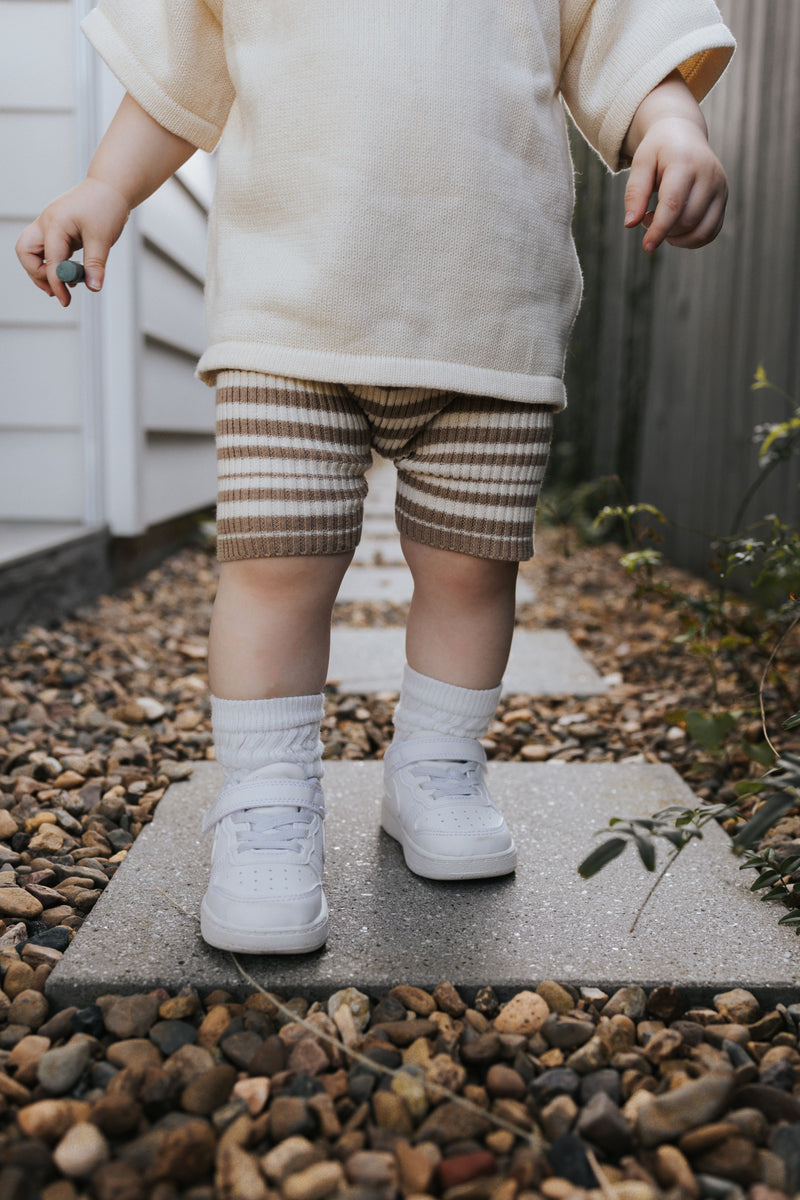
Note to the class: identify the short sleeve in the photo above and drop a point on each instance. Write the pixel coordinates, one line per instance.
(169, 55)
(616, 51)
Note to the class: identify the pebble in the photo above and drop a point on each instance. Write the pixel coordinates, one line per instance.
(209, 1091)
(129, 1016)
(28, 1007)
(137, 1052)
(60, 1068)
(738, 1006)
(448, 999)
(627, 1002)
(524, 1013)
(357, 1002)
(289, 1157)
(601, 1123)
(186, 1153)
(556, 997)
(314, 1182)
(49, 1120)
(415, 999)
(81, 1150)
(171, 1034)
(664, 1118)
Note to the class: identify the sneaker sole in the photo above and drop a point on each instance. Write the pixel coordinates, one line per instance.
(444, 866)
(300, 940)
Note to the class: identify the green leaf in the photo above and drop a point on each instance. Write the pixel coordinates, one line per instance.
(601, 857)
(771, 811)
(647, 851)
(793, 722)
(775, 893)
(765, 880)
(749, 787)
(707, 730)
(791, 918)
(759, 752)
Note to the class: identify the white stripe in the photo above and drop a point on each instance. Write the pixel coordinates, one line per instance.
(466, 509)
(289, 413)
(297, 483)
(228, 441)
(282, 533)
(227, 509)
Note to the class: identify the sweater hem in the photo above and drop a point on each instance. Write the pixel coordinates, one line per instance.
(145, 90)
(381, 371)
(705, 54)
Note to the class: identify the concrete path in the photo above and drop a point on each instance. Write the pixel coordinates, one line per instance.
(702, 929)
(543, 662)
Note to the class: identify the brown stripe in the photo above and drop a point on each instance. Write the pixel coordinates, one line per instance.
(334, 397)
(420, 486)
(234, 495)
(477, 546)
(284, 522)
(485, 526)
(265, 432)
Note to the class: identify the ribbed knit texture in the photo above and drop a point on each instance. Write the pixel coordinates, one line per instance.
(430, 706)
(250, 734)
(394, 193)
(292, 456)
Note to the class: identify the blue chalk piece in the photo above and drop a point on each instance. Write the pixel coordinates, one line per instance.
(70, 272)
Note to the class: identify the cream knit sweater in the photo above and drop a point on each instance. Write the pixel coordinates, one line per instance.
(394, 193)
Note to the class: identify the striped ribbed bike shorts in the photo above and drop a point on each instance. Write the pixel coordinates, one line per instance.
(293, 454)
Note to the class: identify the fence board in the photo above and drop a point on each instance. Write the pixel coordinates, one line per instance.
(664, 351)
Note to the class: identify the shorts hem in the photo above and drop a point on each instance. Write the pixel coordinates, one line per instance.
(476, 545)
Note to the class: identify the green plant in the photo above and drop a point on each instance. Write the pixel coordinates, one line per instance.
(743, 629)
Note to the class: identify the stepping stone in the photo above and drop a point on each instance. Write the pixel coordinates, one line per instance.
(703, 929)
(368, 584)
(379, 552)
(543, 662)
(379, 527)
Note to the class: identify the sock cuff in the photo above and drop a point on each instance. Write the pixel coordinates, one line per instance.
(459, 701)
(266, 716)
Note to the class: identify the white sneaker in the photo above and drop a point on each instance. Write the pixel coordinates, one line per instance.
(265, 892)
(436, 805)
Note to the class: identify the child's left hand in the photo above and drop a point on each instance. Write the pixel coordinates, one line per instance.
(671, 155)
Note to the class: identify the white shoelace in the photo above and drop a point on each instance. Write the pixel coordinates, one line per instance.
(448, 779)
(277, 829)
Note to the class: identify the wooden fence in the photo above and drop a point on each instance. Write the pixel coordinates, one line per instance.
(665, 347)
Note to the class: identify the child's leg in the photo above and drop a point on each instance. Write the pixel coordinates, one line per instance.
(292, 459)
(270, 629)
(461, 618)
(468, 486)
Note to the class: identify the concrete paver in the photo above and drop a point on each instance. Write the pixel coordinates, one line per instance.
(702, 929)
(543, 662)
(362, 584)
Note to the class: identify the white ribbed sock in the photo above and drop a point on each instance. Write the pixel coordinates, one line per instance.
(250, 734)
(429, 706)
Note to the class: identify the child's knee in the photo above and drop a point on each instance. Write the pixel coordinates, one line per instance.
(291, 578)
(460, 574)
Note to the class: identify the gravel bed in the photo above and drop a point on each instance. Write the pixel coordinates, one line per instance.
(99, 714)
(560, 1094)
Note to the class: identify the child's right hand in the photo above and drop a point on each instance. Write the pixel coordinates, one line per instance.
(91, 215)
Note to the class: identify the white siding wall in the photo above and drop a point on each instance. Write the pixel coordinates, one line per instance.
(101, 419)
(41, 409)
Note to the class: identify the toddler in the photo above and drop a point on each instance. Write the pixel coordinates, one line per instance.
(390, 267)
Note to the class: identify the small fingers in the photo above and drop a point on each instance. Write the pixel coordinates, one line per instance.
(30, 252)
(56, 249)
(673, 195)
(641, 182)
